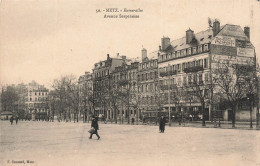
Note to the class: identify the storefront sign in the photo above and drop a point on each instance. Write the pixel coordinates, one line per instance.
(247, 52)
(243, 44)
(223, 50)
(224, 41)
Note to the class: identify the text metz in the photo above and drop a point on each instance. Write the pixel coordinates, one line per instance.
(112, 10)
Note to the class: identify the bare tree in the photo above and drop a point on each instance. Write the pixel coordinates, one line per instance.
(232, 81)
(9, 98)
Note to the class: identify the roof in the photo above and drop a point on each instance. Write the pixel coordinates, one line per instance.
(200, 38)
(233, 31)
(206, 36)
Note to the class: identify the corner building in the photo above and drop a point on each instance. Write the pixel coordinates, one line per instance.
(194, 55)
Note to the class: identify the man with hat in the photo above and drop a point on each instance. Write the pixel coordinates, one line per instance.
(94, 124)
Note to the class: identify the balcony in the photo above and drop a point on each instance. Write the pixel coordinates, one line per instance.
(166, 87)
(172, 72)
(193, 69)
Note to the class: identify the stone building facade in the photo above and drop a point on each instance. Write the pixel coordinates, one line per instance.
(36, 101)
(193, 57)
(85, 84)
(149, 101)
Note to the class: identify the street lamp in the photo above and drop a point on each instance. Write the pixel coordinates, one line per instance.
(250, 97)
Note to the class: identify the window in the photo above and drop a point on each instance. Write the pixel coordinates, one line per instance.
(195, 78)
(194, 50)
(174, 55)
(197, 63)
(206, 63)
(206, 75)
(174, 67)
(151, 75)
(179, 67)
(179, 81)
(184, 80)
(178, 53)
(189, 51)
(206, 48)
(201, 62)
(200, 78)
(161, 82)
(183, 66)
(184, 52)
(189, 79)
(200, 49)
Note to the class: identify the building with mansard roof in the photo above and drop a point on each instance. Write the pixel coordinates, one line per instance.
(102, 76)
(193, 57)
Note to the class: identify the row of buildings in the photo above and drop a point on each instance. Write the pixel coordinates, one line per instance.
(160, 82)
(32, 102)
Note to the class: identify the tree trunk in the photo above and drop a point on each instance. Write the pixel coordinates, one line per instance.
(251, 120)
(115, 114)
(203, 114)
(234, 109)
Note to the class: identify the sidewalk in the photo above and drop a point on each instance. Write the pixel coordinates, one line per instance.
(198, 124)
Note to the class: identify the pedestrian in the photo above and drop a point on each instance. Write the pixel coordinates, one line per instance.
(16, 119)
(11, 120)
(162, 124)
(94, 124)
(133, 120)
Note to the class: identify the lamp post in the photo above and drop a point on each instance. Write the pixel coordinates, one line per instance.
(250, 97)
(169, 94)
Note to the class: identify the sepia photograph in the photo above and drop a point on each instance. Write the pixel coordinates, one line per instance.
(129, 83)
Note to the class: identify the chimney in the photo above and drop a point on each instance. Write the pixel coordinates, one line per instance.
(189, 36)
(107, 56)
(247, 32)
(216, 27)
(144, 53)
(117, 55)
(165, 42)
(160, 48)
(123, 57)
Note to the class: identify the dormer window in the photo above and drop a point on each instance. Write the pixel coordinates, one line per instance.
(206, 47)
(189, 51)
(200, 49)
(169, 56)
(184, 52)
(194, 50)
(178, 53)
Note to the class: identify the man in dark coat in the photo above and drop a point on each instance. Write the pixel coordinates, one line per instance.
(162, 124)
(94, 124)
(11, 120)
(16, 119)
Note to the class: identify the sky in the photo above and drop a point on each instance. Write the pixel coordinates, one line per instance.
(42, 40)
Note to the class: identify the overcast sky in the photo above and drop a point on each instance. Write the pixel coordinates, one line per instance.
(43, 39)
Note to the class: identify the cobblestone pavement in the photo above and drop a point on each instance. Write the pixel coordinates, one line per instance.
(53, 143)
